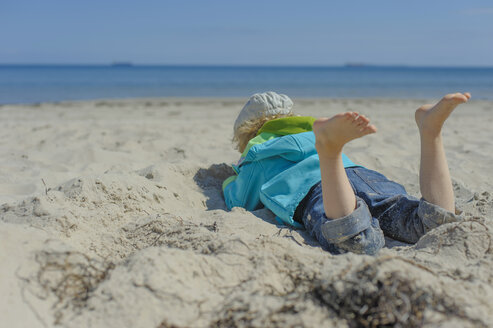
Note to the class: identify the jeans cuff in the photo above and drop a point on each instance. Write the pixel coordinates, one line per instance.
(433, 215)
(338, 230)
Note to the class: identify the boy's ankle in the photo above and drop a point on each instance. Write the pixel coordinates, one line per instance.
(328, 150)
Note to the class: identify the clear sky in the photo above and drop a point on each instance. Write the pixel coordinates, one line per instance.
(252, 32)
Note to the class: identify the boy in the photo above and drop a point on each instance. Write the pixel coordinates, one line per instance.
(295, 167)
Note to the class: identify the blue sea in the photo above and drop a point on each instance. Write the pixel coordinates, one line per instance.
(52, 83)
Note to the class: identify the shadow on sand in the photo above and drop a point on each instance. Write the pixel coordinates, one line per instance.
(210, 180)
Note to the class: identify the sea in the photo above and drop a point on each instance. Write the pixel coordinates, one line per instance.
(55, 83)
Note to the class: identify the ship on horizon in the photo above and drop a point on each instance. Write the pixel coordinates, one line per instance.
(122, 64)
(355, 64)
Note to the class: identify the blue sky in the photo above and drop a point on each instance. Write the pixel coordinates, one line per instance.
(220, 32)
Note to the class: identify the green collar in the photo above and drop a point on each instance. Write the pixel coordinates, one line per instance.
(261, 138)
(288, 125)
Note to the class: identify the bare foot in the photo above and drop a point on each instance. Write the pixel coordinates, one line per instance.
(430, 118)
(333, 133)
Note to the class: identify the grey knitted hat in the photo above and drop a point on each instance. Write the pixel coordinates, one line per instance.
(264, 104)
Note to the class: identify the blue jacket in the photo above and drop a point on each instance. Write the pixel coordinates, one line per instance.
(278, 173)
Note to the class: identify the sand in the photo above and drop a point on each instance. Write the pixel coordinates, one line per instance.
(111, 215)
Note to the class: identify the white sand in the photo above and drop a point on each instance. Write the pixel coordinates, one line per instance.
(131, 228)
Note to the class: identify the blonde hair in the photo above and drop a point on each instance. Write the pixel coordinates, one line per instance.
(249, 129)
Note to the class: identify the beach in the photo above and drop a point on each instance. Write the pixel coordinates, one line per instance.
(111, 215)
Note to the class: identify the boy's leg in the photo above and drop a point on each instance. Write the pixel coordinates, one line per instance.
(331, 135)
(339, 220)
(434, 177)
(401, 216)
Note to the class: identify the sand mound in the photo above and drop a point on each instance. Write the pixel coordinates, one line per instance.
(124, 254)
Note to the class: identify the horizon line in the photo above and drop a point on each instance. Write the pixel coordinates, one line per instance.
(130, 64)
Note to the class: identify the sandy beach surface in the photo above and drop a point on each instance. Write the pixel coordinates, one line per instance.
(111, 215)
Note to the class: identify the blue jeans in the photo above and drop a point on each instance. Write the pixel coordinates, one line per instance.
(383, 208)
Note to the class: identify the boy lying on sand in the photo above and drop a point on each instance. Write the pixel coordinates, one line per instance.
(295, 167)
